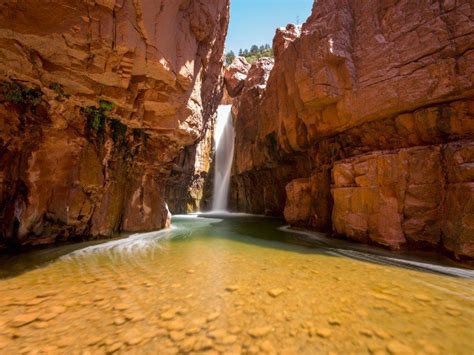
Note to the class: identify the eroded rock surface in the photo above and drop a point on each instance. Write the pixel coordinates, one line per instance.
(124, 87)
(235, 75)
(357, 128)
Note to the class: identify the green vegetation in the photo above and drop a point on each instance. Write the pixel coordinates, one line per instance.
(19, 94)
(119, 131)
(59, 89)
(251, 55)
(106, 106)
(97, 117)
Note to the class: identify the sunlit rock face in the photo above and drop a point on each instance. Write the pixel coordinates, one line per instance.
(235, 75)
(72, 166)
(366, 114)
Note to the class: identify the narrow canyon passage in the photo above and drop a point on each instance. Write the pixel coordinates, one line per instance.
(233, 284)
(204, 177)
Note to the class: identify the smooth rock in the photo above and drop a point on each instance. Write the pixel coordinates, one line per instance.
(259, 332)
(23, 319)
(276, 292)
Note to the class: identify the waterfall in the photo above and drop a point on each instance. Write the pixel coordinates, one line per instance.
(224, 137)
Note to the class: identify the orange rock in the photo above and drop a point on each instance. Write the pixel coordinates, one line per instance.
(386, 108)
(235, 75)
(62, 175)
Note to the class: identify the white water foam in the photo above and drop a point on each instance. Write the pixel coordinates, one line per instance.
(378, 258)
(132, 243)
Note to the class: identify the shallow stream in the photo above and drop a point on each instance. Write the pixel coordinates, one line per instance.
(233, 284)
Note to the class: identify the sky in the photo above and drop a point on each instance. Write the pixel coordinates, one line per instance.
(255, 21)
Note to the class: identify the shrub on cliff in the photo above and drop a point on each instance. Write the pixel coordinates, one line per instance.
(59, 89)
(97, 117)
(21, 95)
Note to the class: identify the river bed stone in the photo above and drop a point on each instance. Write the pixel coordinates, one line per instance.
(357, 314)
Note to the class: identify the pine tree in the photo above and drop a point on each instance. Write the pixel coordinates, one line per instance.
(229, 58)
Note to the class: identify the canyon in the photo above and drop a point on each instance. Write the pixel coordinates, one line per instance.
(156, 200)
(363, 125)
(97, 111)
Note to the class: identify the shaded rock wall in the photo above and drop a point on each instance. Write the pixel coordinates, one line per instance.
(365, 85)
(73, 165)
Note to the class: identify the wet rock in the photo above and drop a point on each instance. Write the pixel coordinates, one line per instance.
(276, 292)
(253, 349)
(213, 316)
(121, 306)
(133, 337)
(235, 330)
(47, 316)
(177, 336)
(113, 348)
(119, 321)
(366, 332)
(217, 334)
(203, 344)
(135, 317)
(35, 302)
(193, 330)
(93, 340)
(259, 332)
(267, 347)
(323, 332)
(200, 322)
(40, 325)
(65, 341)
(187, 345)
(175, 325)
(70, 303)
(228, 340)
(396, 348)
(46, 294)
(182, 311)
(168, 315)
(232, 288)
(23, 319)
(381, 333)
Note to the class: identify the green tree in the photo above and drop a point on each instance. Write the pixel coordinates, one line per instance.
(254, 49)
(229, 58)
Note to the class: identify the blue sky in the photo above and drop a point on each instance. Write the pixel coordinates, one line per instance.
(255, 21)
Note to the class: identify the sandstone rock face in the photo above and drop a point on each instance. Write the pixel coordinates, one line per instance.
(96, 107)
(357, 128)
(235, 75)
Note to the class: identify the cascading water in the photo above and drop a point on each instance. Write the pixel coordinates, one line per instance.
(224, 137)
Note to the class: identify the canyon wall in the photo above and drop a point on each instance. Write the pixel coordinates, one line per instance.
(364, 127)
(98, 100)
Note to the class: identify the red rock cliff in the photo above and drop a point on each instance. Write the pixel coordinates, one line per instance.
(97, 100)
(365, 127)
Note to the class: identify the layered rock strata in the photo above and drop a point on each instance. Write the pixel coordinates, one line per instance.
(365, 126)
(95, 108)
